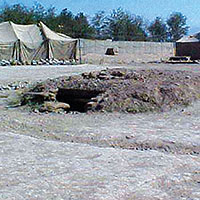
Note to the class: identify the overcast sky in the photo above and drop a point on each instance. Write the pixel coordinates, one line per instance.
(149, 9)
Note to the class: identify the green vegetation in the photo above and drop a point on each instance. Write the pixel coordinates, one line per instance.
(177, 26)
(118, 25)
(158, 30)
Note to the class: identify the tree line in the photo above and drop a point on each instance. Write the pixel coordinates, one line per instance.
(118, 25)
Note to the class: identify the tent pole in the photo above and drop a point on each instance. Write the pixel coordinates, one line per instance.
(20, 51)
(14, 51)
(47, 46)
(79, 47)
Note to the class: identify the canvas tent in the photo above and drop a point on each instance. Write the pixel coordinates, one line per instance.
(34, 42)
(189, 46)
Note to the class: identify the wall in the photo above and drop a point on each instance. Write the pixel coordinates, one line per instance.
(157, 49)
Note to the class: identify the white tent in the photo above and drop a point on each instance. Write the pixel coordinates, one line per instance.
(33, 42)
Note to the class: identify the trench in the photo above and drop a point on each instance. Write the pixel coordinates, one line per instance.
(76, 98)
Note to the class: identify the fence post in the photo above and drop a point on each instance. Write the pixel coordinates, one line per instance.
(79, 47)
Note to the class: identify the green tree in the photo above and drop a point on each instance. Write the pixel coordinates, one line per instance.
(50, 18)
(82, 27)
(98, 22)
(136, 30)
(66, 22)
(117, 22)
(177, 27)
(158, 30)
(38, 12)
(17, 13)
(123, 26)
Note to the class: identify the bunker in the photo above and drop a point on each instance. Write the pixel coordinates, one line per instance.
(76, 98)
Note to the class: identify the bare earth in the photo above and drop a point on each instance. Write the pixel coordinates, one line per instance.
(97, 156)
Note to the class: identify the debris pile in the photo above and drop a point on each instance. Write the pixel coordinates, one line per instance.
(120, 90)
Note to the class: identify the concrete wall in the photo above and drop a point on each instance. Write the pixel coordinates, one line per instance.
(159, 49)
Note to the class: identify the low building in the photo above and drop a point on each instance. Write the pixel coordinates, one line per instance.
(189, 46)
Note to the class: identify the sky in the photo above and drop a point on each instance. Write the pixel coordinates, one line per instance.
(148, 9)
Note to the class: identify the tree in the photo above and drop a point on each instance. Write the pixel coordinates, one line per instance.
(98, 22)
(123, 26)
(66, 22)
(177, 26)
(50, 18)
(17, 13)
(158, 30)
(117, 22)
(82, 27)
(38, 12)
(136, 30)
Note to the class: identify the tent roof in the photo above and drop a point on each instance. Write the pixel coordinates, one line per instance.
(53, 35)
(30, 35)
(7, 34)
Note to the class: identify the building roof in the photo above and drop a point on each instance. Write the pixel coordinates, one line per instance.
(190, 38)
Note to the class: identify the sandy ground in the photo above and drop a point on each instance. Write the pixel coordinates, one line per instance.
(99, 156)
(37, 73)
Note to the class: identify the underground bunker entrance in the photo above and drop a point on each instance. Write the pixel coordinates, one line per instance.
(76, 98)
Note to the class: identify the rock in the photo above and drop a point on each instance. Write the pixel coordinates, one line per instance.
(40, 63)
(103, 73)
(50, 106)
(117, 73)
(85, 75)
(52, 96)
(104, 77)
(54, 91)
(27, 63)
(33, 62)
(90, 105)
(13, 62)
(92, 75)
(94, 99)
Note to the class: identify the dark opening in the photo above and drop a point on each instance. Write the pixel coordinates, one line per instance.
(76, 98)
(110, 51)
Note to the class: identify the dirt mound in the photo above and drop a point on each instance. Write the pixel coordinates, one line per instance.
(121, 90)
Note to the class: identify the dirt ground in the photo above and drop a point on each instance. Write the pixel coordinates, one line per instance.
(104, 156)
